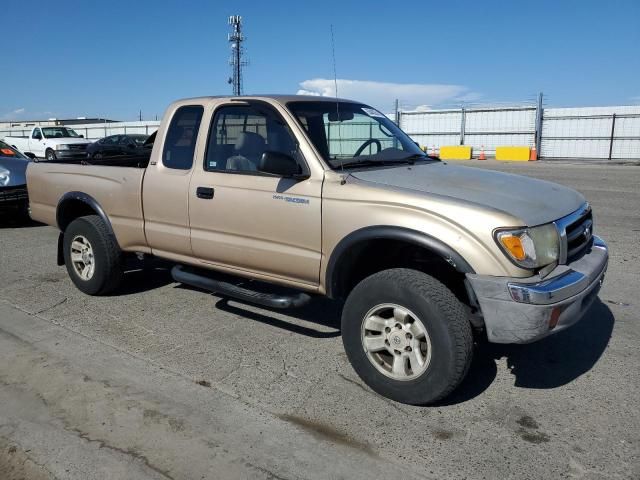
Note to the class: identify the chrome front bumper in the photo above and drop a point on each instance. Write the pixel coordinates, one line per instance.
(520, 310)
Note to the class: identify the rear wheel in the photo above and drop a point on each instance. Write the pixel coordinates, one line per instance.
(50, 155)
(407, 336)
(92, 257)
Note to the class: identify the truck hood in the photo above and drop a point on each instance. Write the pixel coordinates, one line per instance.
(533, 201)
(68, 141)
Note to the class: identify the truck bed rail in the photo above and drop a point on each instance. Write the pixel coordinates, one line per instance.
(135, 161)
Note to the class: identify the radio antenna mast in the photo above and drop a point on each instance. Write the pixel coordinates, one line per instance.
(333, 55)
(237, 51)
(335, 86)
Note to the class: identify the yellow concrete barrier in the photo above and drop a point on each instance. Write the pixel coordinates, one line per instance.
(516, 154)
(455, 152)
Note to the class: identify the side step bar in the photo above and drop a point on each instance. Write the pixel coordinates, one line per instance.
(226, 289)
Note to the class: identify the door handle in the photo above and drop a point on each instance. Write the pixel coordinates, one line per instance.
(204, 192)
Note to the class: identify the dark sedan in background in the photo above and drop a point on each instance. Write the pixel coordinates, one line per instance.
(118, 145)
(13, 181)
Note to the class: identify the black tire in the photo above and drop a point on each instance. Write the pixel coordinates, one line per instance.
(97, 155)
(50, 155)
(107, 257)
(442, 314)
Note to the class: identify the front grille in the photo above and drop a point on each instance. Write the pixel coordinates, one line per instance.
(78, 147)
(579, 234)
(13, 194)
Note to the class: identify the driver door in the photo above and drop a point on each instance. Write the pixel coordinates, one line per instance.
(244, 219)
(36, 143)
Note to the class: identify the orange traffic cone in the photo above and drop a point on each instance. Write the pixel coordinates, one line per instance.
(482, 155)
(534, 154)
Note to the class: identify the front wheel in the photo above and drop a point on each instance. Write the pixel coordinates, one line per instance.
(92, 256)
(407, 336)
(50, 155)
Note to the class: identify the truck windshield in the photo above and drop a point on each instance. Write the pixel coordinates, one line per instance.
(351, 134)
(59, 132)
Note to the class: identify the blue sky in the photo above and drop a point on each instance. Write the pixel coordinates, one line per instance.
(112, 58)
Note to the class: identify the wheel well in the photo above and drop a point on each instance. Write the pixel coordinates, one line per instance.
(366, 258)
(71, 209)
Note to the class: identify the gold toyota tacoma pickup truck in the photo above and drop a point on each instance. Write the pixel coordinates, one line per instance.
(329, 197)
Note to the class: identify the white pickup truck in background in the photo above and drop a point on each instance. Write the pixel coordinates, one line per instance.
(51, 143)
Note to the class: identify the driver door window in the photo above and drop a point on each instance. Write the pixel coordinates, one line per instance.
(239, 136)
(37, 135)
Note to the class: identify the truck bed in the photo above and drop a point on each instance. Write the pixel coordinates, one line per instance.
(133, 161)
(115, 183)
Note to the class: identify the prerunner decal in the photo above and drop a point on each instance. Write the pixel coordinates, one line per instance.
(298, 200)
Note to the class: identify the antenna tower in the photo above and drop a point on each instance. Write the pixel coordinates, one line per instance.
(237, 50)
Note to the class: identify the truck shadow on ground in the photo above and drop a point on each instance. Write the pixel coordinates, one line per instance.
(18, 221)
(143, 276)
(320, 311)
(139, 279)
(549, 363)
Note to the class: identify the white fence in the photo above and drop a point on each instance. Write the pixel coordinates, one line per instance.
(599, 132)
(475, 127)
(576, 133)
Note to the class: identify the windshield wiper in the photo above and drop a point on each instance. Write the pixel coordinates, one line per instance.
(361, 162)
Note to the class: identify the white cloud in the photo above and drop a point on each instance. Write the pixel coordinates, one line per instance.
(383, 94)
(13, 115)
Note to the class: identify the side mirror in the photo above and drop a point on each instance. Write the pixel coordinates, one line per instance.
(81, 136)
(281, 164)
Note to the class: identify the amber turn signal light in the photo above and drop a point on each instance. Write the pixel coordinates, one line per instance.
(514, 245)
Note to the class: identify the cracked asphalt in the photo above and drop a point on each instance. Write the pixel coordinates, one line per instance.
(162, 381)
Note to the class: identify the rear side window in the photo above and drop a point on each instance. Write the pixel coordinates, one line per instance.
(180, 143)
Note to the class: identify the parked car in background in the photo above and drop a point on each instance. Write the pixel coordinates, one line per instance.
(118, 145)
(51, 143)
(13, 180)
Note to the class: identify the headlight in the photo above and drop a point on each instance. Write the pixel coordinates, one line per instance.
(5, 176)
(62, 147)
(530, 247)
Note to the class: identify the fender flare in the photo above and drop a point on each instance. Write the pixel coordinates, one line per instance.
(388, 232)
(89, 201)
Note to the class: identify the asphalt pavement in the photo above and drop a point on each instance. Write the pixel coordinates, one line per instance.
(162, 381)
